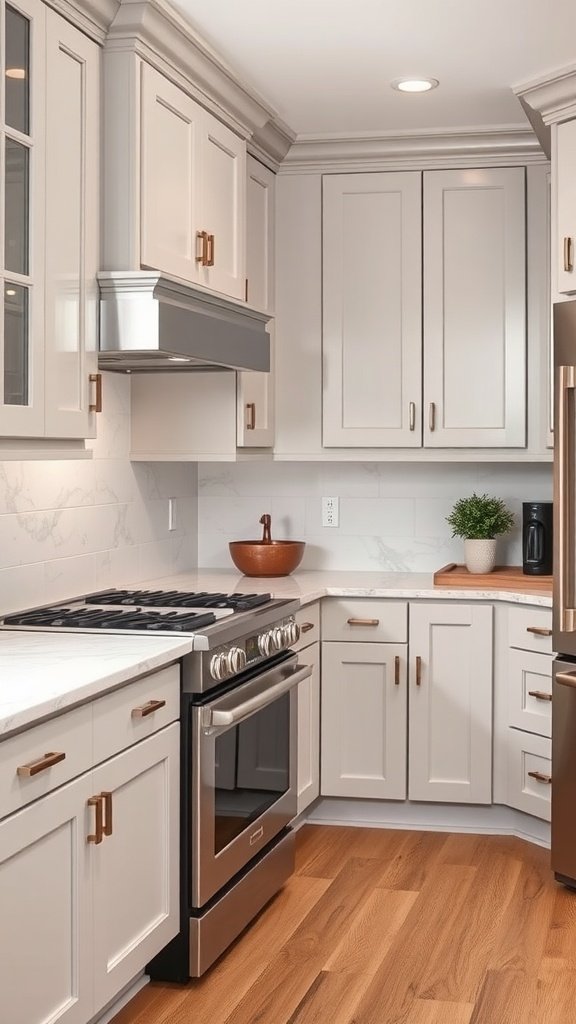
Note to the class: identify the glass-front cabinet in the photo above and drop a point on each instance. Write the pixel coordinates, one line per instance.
(22, 220)
(49, 217)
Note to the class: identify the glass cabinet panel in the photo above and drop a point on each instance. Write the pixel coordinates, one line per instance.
(16, 230)
(15, 345)
(17, 73)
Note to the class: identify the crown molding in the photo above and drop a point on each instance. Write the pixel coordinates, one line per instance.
(553, 95)
(159, 34)
(93, 17)
(455, 147)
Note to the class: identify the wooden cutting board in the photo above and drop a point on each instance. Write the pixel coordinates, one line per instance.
(504, 577)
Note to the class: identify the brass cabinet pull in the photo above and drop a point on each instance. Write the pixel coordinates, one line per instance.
(566, 678)
(397, 671)
(540, 777)
(34, 767)
(251, 416)
(96, 406)
(432, 416)
(148, 709)
(412, 415)
(418, 670)
(210, 251)
(96, 836)
(363, 622)
(306, 627)
(246, 291)
(107, 827)
(568, 257)
(202, 257)
(564, 455)
(539, 630)
(539, 695)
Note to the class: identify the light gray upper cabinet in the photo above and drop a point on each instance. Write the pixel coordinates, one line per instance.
(193, 184)
(49, 191)
(461, 381)
(255, 393)
(372, 300)
(474, 309)
(565, 213)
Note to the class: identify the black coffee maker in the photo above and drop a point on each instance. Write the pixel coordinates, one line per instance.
(537, 538)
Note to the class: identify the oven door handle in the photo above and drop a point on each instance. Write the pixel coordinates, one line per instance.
(218, 719)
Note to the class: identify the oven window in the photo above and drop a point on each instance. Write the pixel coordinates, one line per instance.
(252, 770)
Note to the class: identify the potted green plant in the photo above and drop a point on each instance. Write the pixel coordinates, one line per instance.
(479, 520)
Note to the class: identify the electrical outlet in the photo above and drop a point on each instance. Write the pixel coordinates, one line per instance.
(330, 511)
(171, 513)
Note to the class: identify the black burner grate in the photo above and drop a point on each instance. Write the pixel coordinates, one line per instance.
(179, 599)
(97, 618)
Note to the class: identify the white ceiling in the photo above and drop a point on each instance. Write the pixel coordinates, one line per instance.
(326, 65)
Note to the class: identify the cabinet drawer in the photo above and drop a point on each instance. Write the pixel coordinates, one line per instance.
(308, 619)
(522, 623)
(365, 619)
(530, 691)
(528, 756)
(118, 718)
(69, 734)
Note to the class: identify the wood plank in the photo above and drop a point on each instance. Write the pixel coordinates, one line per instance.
(323, 849)
(331, 997)
(371, 932)
(428, 1011)
(502, 577)
(555, 993)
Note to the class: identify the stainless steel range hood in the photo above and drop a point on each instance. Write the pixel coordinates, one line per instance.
(149, 322)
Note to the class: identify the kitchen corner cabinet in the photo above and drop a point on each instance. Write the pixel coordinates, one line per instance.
(105, 907)
(564, 136)
(468, 389)
(193, 182)
(450, 719)
(49, 190)
(255, 391)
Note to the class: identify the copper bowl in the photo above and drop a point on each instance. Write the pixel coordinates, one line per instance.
(266, 557)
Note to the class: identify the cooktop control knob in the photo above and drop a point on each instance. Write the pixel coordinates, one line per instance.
(265, 643)
(218, 667)
(294, 631)
(235, 660)
(278, 639)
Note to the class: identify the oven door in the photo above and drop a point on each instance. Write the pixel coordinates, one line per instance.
(244, 760)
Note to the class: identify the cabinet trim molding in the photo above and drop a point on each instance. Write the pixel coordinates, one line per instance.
(553, 96)
(409, 150)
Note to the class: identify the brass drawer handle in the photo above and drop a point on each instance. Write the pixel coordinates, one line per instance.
(34, 767)
(396, 671)
(96, 836)
(540, 695)
(540, 777)
(432, 416)
(418, 670)
(539, 630)
(306, 627)
(568, 257)
(107, 827)
(148, 709)
(363, 622)
(202, 256)
(96, 406)
(412, 415)
(251, 416)
(210, 251)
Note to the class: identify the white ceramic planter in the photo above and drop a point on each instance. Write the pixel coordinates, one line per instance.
(480, 555)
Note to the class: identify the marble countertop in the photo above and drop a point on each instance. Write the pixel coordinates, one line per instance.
(43, 674)
(311, 586)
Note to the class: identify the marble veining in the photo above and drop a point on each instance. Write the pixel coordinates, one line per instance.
(42, 674)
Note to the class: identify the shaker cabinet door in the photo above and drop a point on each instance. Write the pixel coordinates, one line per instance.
(223, 208)
(565, 170)
(372, 351)
(474, 308)
(72, 233)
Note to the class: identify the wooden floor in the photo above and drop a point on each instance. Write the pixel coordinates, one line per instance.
(381, 927)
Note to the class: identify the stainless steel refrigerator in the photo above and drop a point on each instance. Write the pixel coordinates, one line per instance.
(564, 610)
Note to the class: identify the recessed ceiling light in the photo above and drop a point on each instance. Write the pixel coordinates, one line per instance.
(414, 84)
(19, 73)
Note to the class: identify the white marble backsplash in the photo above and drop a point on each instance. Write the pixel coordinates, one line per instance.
(392, 516)
(69, 526)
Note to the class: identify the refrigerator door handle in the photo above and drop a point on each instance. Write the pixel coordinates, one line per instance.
(566, 466)
(566, 678)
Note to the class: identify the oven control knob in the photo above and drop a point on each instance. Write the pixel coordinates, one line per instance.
(218, 667)
(265, 643)
(294, 632)
(235, 660)
(278, 639)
